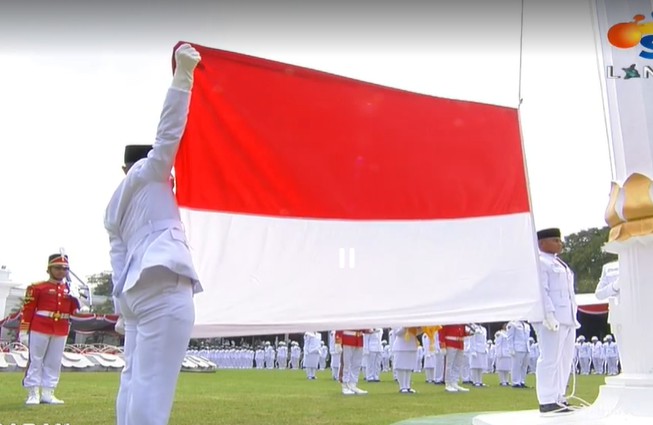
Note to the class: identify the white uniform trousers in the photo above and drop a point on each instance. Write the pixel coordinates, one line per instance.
(350, 364)
(598, 363)
(554, 364)
(282, 362)
(477, 367)
(439, 367)
(519, 367)
(386, 362)
(44, 367)
(454, 360)
(532, 364)
(159, 315)
(334, 365)
(465, 367)
(373, 369)
(612, 365)
(584, 365)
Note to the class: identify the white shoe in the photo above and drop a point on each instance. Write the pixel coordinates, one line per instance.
(346, 390)
(33, 396)
(356, 390)
(461, 389)
(451, 389)
(47, 397)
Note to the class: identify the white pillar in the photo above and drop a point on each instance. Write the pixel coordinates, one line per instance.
(5, 287)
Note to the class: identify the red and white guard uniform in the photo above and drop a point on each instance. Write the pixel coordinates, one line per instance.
(46, 318)
(351, 342)
(452, 338)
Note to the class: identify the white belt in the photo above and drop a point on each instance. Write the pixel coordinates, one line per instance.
(54, 314)
(455, 338)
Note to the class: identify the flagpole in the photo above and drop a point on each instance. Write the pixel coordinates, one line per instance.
(523, 149)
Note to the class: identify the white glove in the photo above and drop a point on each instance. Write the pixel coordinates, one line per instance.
(23, 338)
(338, 348)
(512, 353)
(186, 59)
(616, 286)
(120, 326)
(443, 351)
(74, 292)
(551, 323)
(474, 354)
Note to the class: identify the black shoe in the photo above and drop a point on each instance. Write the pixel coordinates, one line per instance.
(522, 385)
(554, 408)
(439, 382)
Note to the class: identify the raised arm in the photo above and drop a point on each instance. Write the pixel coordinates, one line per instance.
(174, 116)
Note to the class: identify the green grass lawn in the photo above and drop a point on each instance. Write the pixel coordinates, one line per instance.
(252, 397)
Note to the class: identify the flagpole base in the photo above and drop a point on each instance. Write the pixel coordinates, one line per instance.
(624, 399)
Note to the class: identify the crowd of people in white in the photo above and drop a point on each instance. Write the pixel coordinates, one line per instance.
(512, 354)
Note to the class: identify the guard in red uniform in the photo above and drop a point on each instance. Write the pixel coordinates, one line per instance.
(452, 340)
(350, 344)
(46, 320)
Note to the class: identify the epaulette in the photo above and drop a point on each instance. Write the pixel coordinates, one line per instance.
(29, 293)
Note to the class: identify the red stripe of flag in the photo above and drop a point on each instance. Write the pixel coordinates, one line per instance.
(275, 139)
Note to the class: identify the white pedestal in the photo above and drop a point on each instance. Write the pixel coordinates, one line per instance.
(624, 400)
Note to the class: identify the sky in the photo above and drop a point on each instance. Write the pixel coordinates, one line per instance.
(80, 80)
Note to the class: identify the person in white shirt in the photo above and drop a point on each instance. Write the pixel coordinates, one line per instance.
(429, 358)
(557, 332)
(608, 288)
(270, 355)
(439, 361)
(503, 361)
(491, 356)
(282, 355)
(374, 351)
(295, 354)
(611, 352)
(584, 355)
(153, 275)
(419, 359)
(478, 353)
(312, 342)
(598, 356)
(518, 334)
(324, 352)
(335, 356)
(533, 354)
(385, 356)
(391, 338)
(259, 358)
(404, 350)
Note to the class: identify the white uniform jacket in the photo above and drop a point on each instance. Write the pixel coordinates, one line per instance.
(558, 293)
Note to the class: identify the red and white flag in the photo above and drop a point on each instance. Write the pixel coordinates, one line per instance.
(316, 202)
